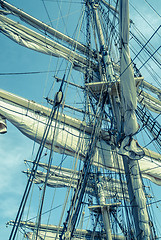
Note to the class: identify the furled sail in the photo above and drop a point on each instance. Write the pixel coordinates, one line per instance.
(149, 101)
(128, 89)
(127, 83)
(51, 232)
(62, 177)
(82, 235)
(152, 88)
(46, 28)
(3, 125)
(130, 127)
(71, 136)
(35, 41)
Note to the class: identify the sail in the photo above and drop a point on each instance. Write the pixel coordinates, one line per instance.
(129, 125)
(51, 232)
(71, 136)
(127, 83)
(81, 235)
(152, 88)
(62, 177)
(3, 125)
(46, 28)
(129, 105)
(149, 101)
(91, 187)
(37, 42)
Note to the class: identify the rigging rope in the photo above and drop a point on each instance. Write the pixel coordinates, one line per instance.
(24, 73)
(149, 68)
(142, 49)
(45, 184)
(32, 175)
(153, 8)
(150, 57)
(148, 51)
(144, 18)
(47, 12)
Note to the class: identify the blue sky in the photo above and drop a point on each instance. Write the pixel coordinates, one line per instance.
(14, 58)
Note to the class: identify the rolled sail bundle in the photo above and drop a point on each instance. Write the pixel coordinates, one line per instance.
(3, 125)
(62, 177)
(50, 232)
(71, 136)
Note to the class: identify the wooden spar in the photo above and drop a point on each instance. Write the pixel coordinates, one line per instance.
(45, 27)
(53, 229)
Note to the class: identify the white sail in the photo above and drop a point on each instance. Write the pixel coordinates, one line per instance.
(61, 178)
(3, 125)
(152, 88)
(35, 41)
(81, 235)
(28, 117)
(129, 105)
(127, 83)
(46, 28)
(149, 101)
(50, 232)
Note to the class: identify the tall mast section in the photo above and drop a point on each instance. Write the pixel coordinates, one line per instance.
(126, 118)
(130, 127)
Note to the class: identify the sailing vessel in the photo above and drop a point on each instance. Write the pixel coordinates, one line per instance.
(89, 173)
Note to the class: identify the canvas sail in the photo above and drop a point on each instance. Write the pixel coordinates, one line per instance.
(3, 125)
(37, 42)
(62, 178)
(50, 232)
(71, 137)
(127, 83)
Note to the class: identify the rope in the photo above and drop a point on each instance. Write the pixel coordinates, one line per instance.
(144, 18)
(27, 73)
(148, 67)
(31, 177)
(150, 57)
(141, 49)
(153, 8)
(147, 49)
(45, 184)
(47, 12)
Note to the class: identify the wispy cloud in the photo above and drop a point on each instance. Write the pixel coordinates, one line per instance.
(12, 180)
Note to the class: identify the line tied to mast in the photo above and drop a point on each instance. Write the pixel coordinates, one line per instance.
(58, 96)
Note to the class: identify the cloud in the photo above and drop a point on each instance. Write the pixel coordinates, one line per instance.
(11, 160)
(14, 148)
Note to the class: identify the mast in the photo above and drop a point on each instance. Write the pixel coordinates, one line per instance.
(129, 103)
(107, 75)
(107, 79)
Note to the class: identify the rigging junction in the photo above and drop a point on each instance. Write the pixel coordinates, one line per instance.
(104, 87)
